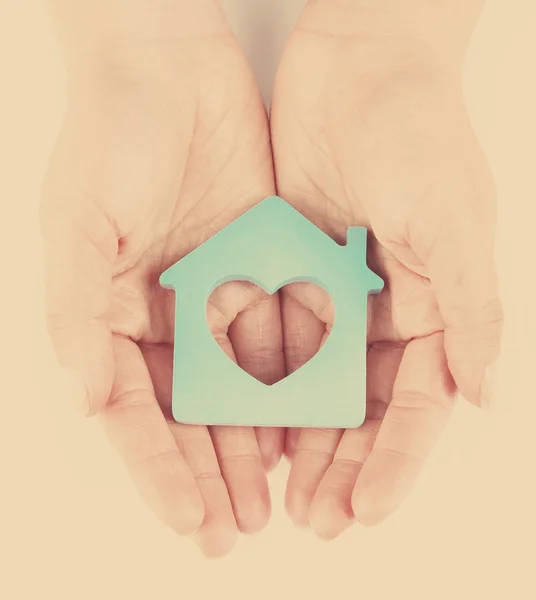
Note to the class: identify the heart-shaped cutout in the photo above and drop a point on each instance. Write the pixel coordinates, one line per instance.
(270, 336)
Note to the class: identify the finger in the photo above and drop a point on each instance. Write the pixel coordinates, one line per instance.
(137, 428)
(271, 441)
(303, 334)
(423, 398)
(312, 458)
(457, 250)
(292, 438)
(242, 469)
(237, 447)
(307, 316)
(218, 532)
(257, 341)
(79, 247)
(331, 509)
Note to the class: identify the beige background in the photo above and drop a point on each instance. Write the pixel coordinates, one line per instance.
(70, 525)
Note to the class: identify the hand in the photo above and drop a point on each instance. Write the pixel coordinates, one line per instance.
(376, 134)
(165, 141)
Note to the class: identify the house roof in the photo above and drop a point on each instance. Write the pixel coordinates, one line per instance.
(271, 221)
(273, 240)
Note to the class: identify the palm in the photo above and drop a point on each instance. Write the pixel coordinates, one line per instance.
(175, 164)
(212, 162)
(353, 148)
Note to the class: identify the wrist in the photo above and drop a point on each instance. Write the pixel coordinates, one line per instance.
(137, 47)
(119, 32)
(420, 30)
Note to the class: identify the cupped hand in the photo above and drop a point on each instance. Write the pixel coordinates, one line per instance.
(378, 136)
(164, 142)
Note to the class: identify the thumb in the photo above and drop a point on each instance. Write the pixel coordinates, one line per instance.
(456, 248)
(79, 246)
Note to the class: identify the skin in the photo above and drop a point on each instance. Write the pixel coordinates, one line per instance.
(148, 165)
(165, 141)
(372, 133)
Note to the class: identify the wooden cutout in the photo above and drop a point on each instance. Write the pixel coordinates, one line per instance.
(272, 245)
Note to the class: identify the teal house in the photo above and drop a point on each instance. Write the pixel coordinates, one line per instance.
(272, 245)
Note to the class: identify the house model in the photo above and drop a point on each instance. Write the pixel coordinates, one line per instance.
(272, 245)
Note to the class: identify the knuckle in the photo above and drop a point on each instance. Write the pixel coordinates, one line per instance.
(313, 454)
(242, 457)
(346, 470)
(399, 455)
(129, 399)
(208, 475)
(263, 355)
(321, 441)
(410, 400)
(148, 461)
